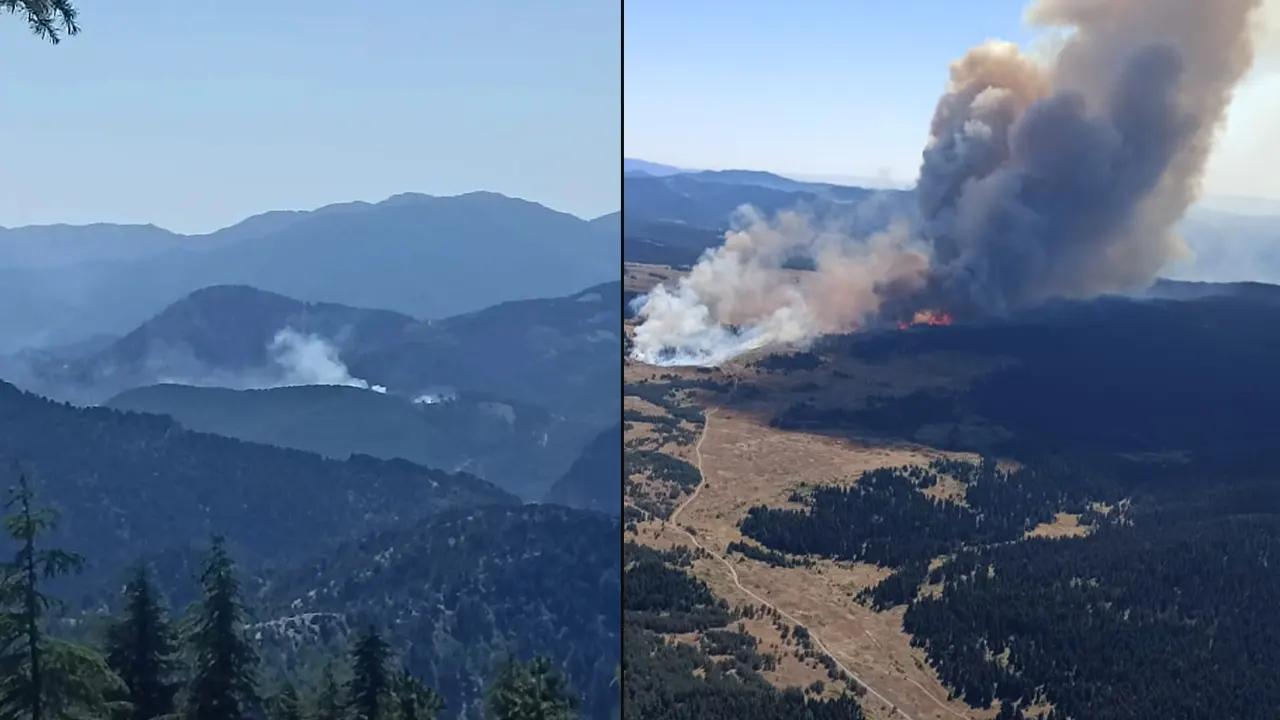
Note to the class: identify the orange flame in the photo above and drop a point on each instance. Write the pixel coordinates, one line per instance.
(927, 317)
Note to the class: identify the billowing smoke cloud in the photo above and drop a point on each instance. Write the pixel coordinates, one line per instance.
(738, 297)
(312, 360)
(1068, 180)
(1050, 179)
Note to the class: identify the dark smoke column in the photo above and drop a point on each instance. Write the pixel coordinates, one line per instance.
(1067, 180)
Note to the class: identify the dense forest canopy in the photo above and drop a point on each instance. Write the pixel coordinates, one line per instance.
(130, 484)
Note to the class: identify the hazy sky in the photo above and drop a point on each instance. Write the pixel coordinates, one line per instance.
(195, 114)
(847, 87)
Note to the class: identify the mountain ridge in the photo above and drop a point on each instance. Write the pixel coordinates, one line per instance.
(433, 257)
(222, 329)
(260, 217)
(588, 483)
(518, 447)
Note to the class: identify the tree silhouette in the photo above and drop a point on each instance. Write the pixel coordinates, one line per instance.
(222, 686)
(41, 677)
(370, 681)
(140, 648)
(48, 19)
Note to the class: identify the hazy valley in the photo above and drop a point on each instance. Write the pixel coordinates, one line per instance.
(367, 463)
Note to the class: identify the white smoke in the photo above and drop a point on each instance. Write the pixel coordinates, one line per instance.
(307, 359)
(738, 297)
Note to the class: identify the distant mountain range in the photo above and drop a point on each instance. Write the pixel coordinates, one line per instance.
(634, 167)
(1229, 247)
(672, 219)
(560, 353)
(424, 256)
(511, 393)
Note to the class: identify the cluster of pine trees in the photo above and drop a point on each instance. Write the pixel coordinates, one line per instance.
(1161, 618)
(886, 519)
(204, 667)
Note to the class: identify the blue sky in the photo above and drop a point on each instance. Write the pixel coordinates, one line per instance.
(193, 115)
(847, 87)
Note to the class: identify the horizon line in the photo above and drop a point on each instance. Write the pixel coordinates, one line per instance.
(337, 203)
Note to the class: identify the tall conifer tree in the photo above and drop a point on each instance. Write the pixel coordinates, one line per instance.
(42, 678)
(222, 684)
(370, 679)
(140, 649)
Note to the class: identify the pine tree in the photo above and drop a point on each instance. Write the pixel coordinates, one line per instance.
(40, 677)
(222, 685)
(328, 698)
(47, 18)
(533, 691)
(415, 700)
(370, 680)
(140, 649)
(285, 706)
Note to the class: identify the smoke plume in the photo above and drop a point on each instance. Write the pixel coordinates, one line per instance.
(738, 297)
(1068, 180)
(312, 360)
(1040, 179)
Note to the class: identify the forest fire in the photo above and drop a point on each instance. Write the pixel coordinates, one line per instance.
(1062, 173)
(927, 317)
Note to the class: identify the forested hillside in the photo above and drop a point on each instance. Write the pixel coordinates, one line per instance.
(132, 485)
(464, 588)
(560, 353)
(453, 573)
(142, 659)
(1167, 596)
(520, 447)
(1156, 620)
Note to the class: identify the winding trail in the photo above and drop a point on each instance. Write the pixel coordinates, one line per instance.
(697, 453)
(733, 574)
